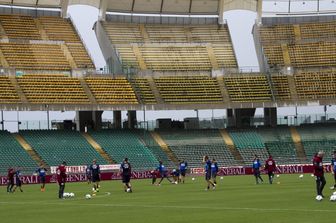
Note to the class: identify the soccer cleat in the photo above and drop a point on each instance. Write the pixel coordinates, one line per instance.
(332, 188)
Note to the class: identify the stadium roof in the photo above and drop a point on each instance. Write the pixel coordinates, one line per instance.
(147, 6)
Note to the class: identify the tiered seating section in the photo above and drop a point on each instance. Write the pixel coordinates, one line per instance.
(120, 144)
(143, 90)
(112, 91)
(193, 145)
(248, 88)
(28, 56)
(301, 45)
(316, 138)
(172, 48)
(280, 86)
(54, 147)
(52, 89)
(42, 43)
(316, 85)
(189, 90)
(13, 155)
(8, 95)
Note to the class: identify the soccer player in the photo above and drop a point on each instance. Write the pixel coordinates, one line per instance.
(270, 168)
(61, 179)
(207, 168)
(163, 172)
(256, 169)
(18, 182)
(214, 170)
(333, 169)
(10, 180)
(183, 169)
(176, 175)
(126, 171)
(95, 171)
(319, 173)
(88, 174)
(155, 174)
(42, 177)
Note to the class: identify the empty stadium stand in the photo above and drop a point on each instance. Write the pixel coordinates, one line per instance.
(143, 90)
(316, 84)
(108, 90)
(57, 146)
(13, 155)
(120, 144)
(194, 144)
(8, 95)
(189, 89)
(38, 43)
(172, 48)
(248, 88)
(281, 90)
(52, 89)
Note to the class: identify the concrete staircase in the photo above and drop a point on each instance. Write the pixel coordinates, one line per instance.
(34, 155)
(98, 148)
(42, 32)
(68, 56)
(231, 146)
(292, 87)
(87, 91)
(300, 152)
(223, 89)
(18, 89)
(155, 91)
(164, 146)
(3, 60)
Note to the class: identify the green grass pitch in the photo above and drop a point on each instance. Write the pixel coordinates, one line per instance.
(236, 199)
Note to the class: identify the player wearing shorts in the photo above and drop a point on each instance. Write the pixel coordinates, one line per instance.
(183, 169)
(176, 175)
(42, 177)
(126, 172)
(256, 169)
(270, 168)
(319, 173)
(10, 180)
(207, 169)
(95, 171)
(61, 179)
(214, 171)
(163, 173)
(333, 169)
(18, 181)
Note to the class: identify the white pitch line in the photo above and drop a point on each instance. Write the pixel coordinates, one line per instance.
(173, 207)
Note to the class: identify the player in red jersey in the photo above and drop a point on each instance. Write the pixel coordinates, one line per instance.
(10, 180)
(61, 179)
(270, 168)
(319, 173)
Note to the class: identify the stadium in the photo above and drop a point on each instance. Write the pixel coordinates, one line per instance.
(178, 58)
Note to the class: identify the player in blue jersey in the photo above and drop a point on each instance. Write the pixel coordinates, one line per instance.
(176, 175)
(207, 169)
(333, 169)
(18, 182)
(95, 173)
(163, 172)
(214, 170)
(126, 172)
(42, 177)
(256, 166)
(183, 169)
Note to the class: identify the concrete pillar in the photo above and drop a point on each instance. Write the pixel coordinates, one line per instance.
(64, 8)
(221, 12)
(259, 10)
(117, 119)
(88, 120)
(102, 10)
(131, 119)
(241, 117)
(270, 117)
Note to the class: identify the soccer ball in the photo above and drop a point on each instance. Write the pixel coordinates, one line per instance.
(334, 193)
(71, 194)
(312, 175)
(333, 198)
(319, 198)
(128, 190)
(301, 176)
(193, 178)
(221, 178)
(66, 195)
(88, 196)
(278, 175)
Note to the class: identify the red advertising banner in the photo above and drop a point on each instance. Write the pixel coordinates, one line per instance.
(224, 171)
